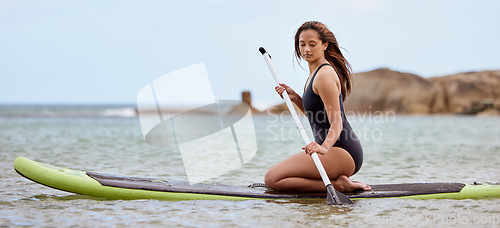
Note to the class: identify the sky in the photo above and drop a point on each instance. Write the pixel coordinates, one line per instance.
(104, 52)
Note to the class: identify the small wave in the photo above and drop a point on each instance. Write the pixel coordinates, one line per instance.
(120, 112)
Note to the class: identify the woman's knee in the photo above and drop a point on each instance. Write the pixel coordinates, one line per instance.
(275, 181)
(270, 179)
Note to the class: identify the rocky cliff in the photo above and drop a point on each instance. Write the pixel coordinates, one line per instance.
(387, 90)
(404, 93)
(467, 91)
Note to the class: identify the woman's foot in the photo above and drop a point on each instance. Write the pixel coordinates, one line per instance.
(344, 184)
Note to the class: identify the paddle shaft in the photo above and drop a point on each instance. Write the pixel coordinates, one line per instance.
(301, 128)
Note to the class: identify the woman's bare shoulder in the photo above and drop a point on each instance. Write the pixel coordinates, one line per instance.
(327, 75)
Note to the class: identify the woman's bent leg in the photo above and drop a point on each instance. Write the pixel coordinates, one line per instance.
(298, 173)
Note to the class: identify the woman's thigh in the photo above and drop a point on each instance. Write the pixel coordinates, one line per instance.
(336, 162)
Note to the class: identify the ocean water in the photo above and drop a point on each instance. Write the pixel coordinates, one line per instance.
(108, 139)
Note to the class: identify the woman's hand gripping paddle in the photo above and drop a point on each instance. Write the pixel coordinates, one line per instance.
(332, 196)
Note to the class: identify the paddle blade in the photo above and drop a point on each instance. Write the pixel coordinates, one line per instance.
(335, 197)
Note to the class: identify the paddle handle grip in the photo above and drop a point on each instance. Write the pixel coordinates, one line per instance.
(291, 108)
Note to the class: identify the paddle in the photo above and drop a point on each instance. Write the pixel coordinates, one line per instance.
(332, 196)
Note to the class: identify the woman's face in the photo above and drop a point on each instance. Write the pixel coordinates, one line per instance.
(310, 45)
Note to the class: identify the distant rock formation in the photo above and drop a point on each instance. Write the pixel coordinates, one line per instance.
(283, 108)
(404, 93)
(246, 97)
(386, 90)
(469, 92)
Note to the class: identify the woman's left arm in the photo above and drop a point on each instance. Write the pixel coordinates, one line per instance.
(327, 86)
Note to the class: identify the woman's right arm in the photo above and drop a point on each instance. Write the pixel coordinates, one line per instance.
(294, 97)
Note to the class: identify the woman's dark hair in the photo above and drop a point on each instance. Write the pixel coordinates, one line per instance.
(332, 53)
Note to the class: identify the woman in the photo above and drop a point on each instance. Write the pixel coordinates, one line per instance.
(338, 147)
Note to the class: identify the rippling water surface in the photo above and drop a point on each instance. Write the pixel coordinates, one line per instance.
(398, 149)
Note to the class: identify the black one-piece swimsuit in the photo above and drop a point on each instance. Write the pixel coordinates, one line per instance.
(318, 119)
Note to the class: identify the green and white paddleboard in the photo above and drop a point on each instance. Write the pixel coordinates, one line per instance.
(130, 188)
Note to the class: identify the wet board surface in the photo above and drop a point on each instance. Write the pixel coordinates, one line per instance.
(383, 190)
